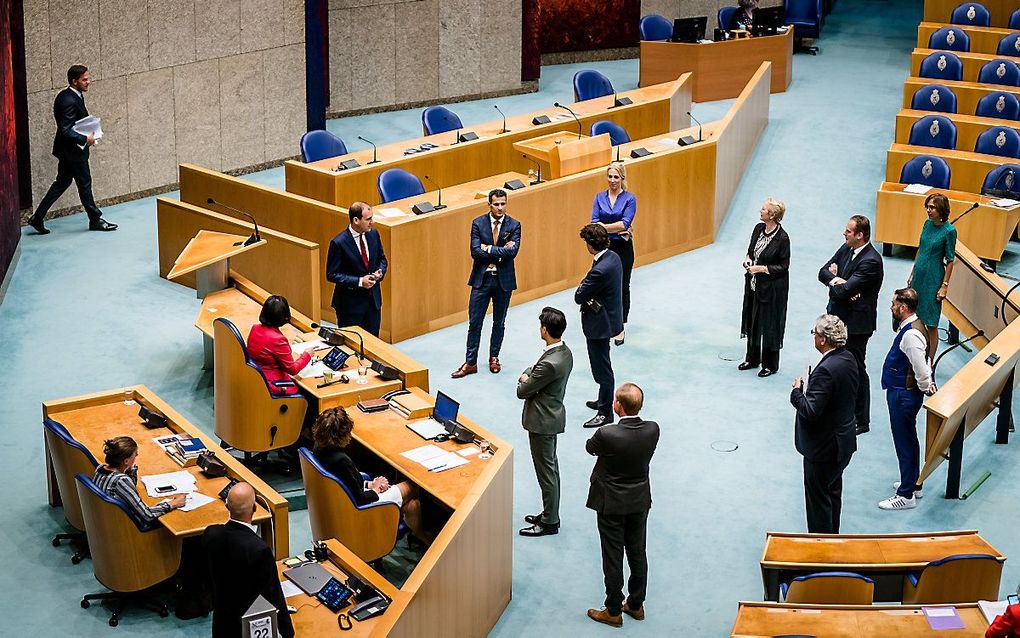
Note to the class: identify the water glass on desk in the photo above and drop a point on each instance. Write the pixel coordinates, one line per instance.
(362, 374)
(129, 396)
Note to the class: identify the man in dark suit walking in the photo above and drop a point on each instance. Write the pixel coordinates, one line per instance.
(600, 296)
(542, 387)
(824, 431)
(356, 263)
(72, 152)
(495, 240)
(242, 568)
(854, 277)
(621, 494)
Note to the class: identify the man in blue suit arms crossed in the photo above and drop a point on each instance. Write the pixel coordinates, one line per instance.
(600, 296)
(495, 240)
(356, 263)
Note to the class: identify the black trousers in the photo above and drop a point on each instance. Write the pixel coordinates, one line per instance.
(857, 345)
(756, 354)
(368, 319)
(602, 372)
(478, 305)
(624, 534)
(81, 175)
(625, 249)
(547, 471)
(823, 494)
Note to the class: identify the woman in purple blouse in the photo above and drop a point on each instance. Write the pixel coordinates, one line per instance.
(614, 209)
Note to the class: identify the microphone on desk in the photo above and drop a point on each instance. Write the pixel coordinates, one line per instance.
(568, 109)
(538, 178)
(618, 152)
(255, 236)
(456, 136)
(375, 150)
(324, 332)
(698, 123)
(439, 204)
(505, 129)
(620, 101)
(964, 213)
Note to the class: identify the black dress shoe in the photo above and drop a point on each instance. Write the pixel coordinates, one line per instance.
(536, 519)
(102, 224)
(591, 405)
(863, 429)
(747, 365)
(765, 372)
(597, 421)
(37, 224)
(539, 530)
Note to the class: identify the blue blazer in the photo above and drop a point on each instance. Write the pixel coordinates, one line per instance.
(503, 257)
(604, 283)
(344, 268)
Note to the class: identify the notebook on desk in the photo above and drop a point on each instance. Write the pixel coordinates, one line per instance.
(310, 577)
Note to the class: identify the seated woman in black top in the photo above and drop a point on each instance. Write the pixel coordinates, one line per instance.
(744, 15)
(332, 434)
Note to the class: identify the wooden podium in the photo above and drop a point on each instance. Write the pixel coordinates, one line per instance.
(563, 153)
(209, 253)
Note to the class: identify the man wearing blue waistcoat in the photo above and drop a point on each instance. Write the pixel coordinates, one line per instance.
(906, 378)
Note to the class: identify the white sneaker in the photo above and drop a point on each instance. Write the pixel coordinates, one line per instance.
(897, 502)
(918, 493)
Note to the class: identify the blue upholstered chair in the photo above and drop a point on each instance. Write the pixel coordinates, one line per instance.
(1000, 104)
(971, 14)
(829, 588)
(128, 558)
(439, 119)
(934, 97)
(929, 170)
(1014, 20)
(317, 145)
(396, 183)
(963, 578)
(590, 84)
(725, 16)
(68, 457)
(1004, 177)
(1000, 71)
(1009, 45)
(936, 131)
(655, 28)
(949, 39)
(806, 17)
(999, 140)
(371, 531)
(617, 134)
(941, 65)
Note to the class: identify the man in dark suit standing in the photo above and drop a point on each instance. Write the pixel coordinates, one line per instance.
(356, 263)
(495, 240)
(542, 387)
(600, 296)
(854, 277)
(824, 433)
(72, 152)
(621, 494)
(241, 567)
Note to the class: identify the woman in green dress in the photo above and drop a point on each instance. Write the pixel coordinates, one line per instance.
(933, 266)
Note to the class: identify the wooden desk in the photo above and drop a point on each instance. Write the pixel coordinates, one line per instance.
(656, 109)
(972, 62)
(885, 558)
(900, 216)
(968, 94)
(721, 69)
(942, 10)
(92, 419)
(475, 191)
(982, 39)
(968, 127)
(848, 621)
(975, 297)
(967, 168)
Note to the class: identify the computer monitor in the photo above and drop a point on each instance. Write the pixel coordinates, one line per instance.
(446, 409)
(689, 29)
(767, 20)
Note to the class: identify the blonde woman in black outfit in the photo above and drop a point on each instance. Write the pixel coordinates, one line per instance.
(766, 290)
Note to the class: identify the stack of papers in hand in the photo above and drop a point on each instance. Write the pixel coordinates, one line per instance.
(89, 124)
(434, 458)
(307, 346)
(316, 369)
(181, 482)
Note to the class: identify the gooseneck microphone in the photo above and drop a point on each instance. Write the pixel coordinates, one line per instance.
(439, 204)
(538, 178)
(698, 123)
(375, 150)
(255, 236)
(568, 109)
(505, 129)
(361, 340)
(964, 213)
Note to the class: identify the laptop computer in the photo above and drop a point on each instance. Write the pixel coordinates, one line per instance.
(310, 577)
(443, 415)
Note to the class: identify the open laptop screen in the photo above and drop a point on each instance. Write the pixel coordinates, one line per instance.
(446, 408)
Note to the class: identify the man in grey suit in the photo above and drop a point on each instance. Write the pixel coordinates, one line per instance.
(542, 387)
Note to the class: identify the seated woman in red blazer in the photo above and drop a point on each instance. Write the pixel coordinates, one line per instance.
(1006, 625)
(269, 348)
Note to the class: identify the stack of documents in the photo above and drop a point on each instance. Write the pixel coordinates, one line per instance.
(1004, 202)
(89, 124)
(992, 608)
(434, 458)
(917, 189)
(181, 482)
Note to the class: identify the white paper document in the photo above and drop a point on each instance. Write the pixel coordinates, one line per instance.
(290, 589)
(444, 462)
(668, 141)
(89, 124)
(180, 482)
(316, 369)
(992, 608)
(1004, 202)
(196, 500)
(917, 189)
(423, 453)
(388, 212)
(307, 346)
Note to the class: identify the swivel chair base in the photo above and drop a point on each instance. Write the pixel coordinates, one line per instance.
(261, 460)
(78, 541)
(122, 600)
(799, 47)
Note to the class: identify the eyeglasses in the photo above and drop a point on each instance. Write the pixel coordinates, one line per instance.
(813, 333)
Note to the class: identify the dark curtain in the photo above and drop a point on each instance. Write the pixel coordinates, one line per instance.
(316, 62)
(585, 25)
(11, 62)
(531, 47)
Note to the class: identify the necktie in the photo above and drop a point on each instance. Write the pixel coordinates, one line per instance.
(843, 267)
(364, 250)
(495, 231)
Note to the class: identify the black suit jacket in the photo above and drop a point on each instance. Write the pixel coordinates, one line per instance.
(863, 276)
(603, 283)
(68, 108)
(499, 254)
(337, 463)
(344, 267)
(619, 481)
(241, 568)
(825, 429)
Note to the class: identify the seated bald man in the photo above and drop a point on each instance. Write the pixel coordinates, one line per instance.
(241, 567)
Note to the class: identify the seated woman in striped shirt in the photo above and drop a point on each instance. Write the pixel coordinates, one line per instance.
(119, 477)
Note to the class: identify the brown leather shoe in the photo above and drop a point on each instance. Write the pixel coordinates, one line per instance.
(603, 616)
(464, 370)
(636, 614)
(494, 366)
